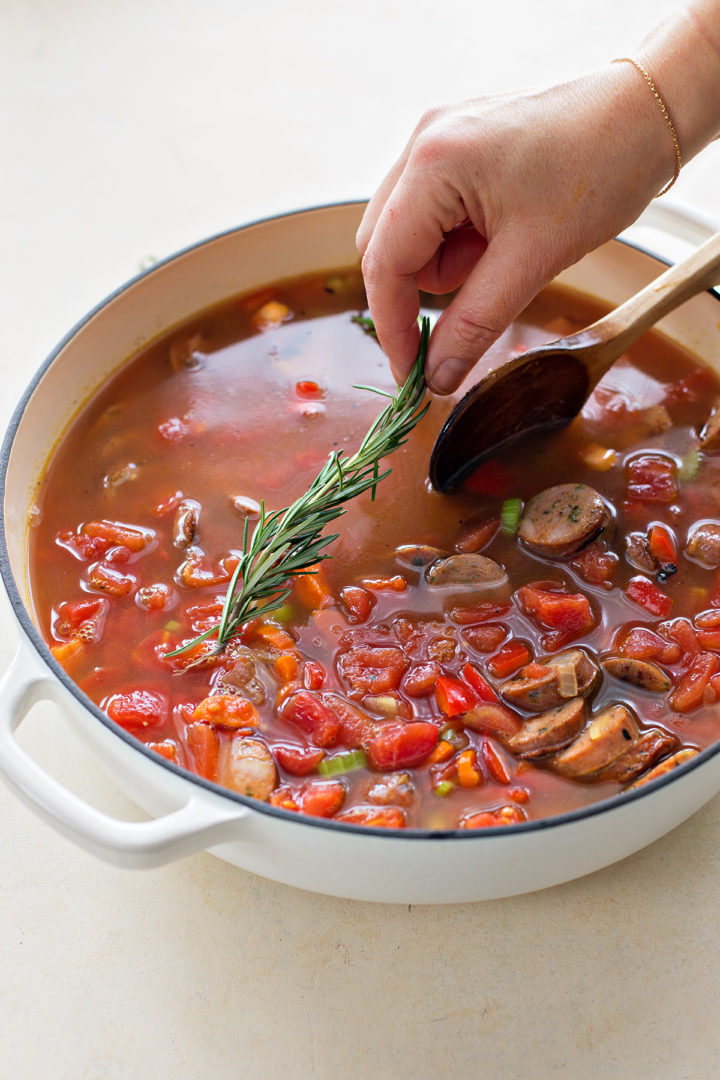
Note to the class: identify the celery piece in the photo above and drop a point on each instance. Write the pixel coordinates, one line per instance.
(689, 465)
(347, 761)
(510, 516)
(443, 788)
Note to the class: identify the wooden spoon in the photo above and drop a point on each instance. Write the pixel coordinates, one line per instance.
(547, 386)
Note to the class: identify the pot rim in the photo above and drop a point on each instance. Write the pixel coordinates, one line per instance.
(23, 617)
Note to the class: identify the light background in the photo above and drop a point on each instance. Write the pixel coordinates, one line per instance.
(129, 130)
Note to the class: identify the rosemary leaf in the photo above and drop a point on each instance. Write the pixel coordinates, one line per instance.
(288, 542)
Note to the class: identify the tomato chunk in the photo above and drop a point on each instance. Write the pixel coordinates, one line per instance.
(358, 603)
(298, 760)
(382, 817)
(567, 615)
(397, 746)
(651, 479)
(373, 669)
(690, 690)
(484, 819)
(321, 798)
(309, 712)
(136, 710)
(482, 688)
(204, 745)
(646, 593)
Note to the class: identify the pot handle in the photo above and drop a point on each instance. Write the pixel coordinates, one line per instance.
(199, 824)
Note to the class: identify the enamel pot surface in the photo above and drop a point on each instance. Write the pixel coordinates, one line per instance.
(191, 814)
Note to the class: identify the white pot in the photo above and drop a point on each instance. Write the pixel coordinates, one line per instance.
(192, 814)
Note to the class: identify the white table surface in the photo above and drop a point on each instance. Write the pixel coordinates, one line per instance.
(129, 130)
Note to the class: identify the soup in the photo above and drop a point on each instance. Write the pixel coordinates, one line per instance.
(543, 639)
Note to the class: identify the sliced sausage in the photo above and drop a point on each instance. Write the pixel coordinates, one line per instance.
(537, 686)
(395, 789)
(562, 519)
(606, 737)
(467, 569)
(665, 766)
(550, 730)
(640, 755)
(250, 768)
(710, 434)
(703, 543)
(186, 523)
(643, 673)
(492, 718)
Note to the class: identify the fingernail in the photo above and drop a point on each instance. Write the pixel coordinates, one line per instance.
(447, 377)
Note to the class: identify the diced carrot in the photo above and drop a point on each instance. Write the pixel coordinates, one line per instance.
(494, 763)
(468, 773)
(229, 711)
(708, 620)
(683, 633)
(313, 589)
(519, 794)
(396, 583)
(511, 657)
(275, 636)
(709, 639)
(689, 692)
(443, 751)
(205, 745)
(286, 667)
(110, 581)
(67, 651)
(600, 458)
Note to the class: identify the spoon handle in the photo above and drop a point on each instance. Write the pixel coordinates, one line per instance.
(609, 337)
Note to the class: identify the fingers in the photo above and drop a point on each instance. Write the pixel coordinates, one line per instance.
(501, 285)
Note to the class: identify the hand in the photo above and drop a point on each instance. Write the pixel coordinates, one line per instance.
(495, 197)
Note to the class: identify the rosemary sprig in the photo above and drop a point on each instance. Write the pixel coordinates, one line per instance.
(288, 542)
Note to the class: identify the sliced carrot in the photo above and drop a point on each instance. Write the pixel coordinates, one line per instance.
(275, 636)
(396, 583)
(443, 751)
(468, 773)
(205, 745)
(66, 651)
(312, 589)
(230, 711)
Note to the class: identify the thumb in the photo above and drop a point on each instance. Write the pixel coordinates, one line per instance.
(503, 282)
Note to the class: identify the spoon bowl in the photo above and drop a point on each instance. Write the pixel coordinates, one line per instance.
(546, 387)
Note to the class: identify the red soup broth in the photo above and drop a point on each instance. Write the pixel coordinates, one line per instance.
(393, 688)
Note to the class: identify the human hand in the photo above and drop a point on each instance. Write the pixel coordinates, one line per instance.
(494, 197)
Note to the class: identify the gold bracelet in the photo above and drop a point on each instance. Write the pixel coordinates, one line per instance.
(664, 110)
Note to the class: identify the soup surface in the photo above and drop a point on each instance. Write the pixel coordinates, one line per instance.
(546, 638)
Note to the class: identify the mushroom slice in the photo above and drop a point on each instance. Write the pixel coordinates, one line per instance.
(703, 543)
(665, 766)
(416, 556)
(467, 569)
(710, 434)
(562, 519)
(640, 755)
(550, 730)
(605, 738)
(643, 673)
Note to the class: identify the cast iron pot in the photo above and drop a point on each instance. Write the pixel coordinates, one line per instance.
(190, 813)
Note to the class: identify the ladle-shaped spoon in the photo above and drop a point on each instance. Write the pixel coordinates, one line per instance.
(547, 386)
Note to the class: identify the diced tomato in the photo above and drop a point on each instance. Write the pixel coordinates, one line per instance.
(358, 603)
(307, 388)
(313, 675)
(482, 688)
(116, 532)
(662, 545)
(227, 711)
(651, 479)
(475, 535)
(646, 593)
(168, 748)
(568, 615)
(595, 565)
(494, 763)
(309, 712)
(156, 597)
(485, 638)
(137, 710)
(81, 618)
(682, 633)
(419, 681)
(356, 727)
(478, 613)
(689, 692)
(644, 644)
(379, 817)
(453, 696)
(708, 620)
(401, 746)
(511, 657)
(200, 655)
(298, 760)
(321, 798)
(484, 819)
(85, 548)
(204, 745)
(204, 616)
(168, 504)
(110, 581)
(270, 634)
(68, 653)
(490, 478)
(373, 669)
(709, 639)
